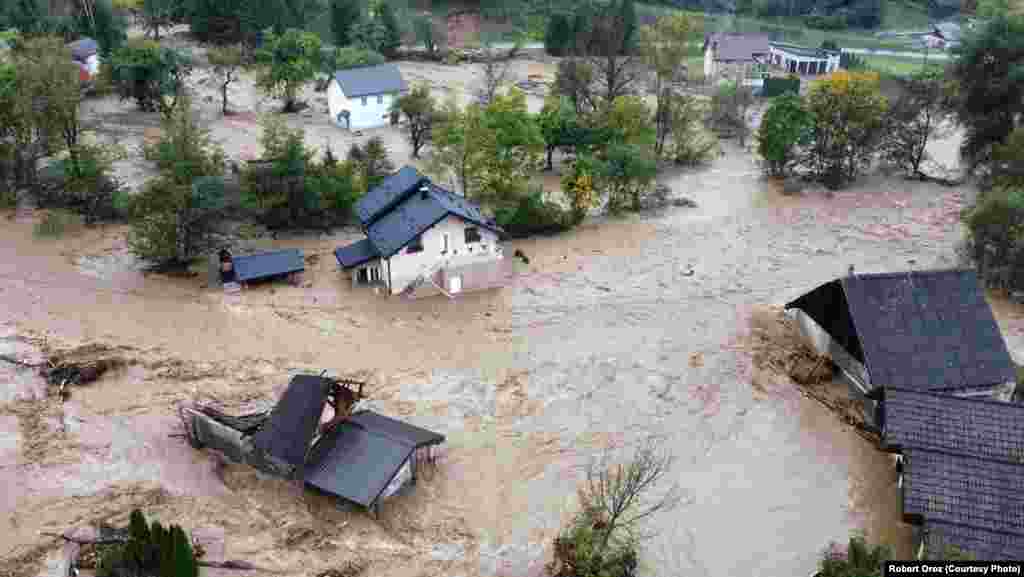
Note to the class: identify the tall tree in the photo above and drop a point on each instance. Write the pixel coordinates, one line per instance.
(664, 46)
(420, 111)
(608, 45)
(392, 31)
(989, 96)
(290, 60)
(344, 13)
(786, 127)
(915, 117)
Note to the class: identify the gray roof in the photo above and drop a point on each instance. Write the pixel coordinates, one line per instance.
(964, 491)
(988, 545)
(294, 419)
(370, 80)
(268, 264)
(803, 50)
(391, 191)
(357, 459)
(974, 427)
(739, 47)
(356, 253)
(417, 213)
(83, 48)
(926, 331)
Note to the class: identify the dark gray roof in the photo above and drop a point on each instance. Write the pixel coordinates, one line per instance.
(83, 48)
(356, 253)
(396, 430)
(268, 264)
(927, 330)
(964, 491)
(370, 80)
(983, 545)
(293, 422)
(391, 191)
(974, 427)
(417, 213)
(358, 458)
(739, 47)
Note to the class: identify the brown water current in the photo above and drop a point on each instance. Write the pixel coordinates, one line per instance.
(619, 329)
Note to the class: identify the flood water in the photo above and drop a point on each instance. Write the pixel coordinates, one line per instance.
(618, 330)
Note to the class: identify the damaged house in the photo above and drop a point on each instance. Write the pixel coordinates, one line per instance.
(314, 435)
(422, 239)
(961, 471)
(926, 331)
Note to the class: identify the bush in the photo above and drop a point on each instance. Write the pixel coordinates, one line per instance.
(154, 550)
(532, 215)
(82, 183)
(350, 57)
(858, 559)
(56, 222)
(147, 72)
(786, 127)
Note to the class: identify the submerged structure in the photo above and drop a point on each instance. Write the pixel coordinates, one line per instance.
(313, 434)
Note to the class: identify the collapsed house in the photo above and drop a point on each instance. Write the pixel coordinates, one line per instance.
(961, 472)
(928, 331)
(314, 435)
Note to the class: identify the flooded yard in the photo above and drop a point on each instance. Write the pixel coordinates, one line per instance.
(619, 329)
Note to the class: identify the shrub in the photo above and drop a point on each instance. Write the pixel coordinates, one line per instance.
(690, 145)
(786, 126)
(995, 227)
(149, 73)
(155, 550)
(56, 222)
(532, 215)
(350, 57)
(858, 559)
(104, 25)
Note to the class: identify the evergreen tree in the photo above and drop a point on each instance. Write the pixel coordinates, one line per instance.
(138, 541)
(344, 13)
(627, 13)
(393, 33)
(558, 36)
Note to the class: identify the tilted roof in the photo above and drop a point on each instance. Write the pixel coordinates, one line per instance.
(982, 428)
(391, 191)
(268, 264)
(925, 331)
(370, 80)
(294, 419)
(357, 459)
(964, 491)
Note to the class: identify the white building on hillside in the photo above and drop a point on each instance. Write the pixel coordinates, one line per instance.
(360, 98)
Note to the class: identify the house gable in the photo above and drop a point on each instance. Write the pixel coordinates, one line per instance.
(388, 194)
(928, 331)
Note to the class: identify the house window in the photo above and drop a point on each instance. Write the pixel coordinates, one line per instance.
(380, 99)
(364, 101)
(415, 245)
(472, 234)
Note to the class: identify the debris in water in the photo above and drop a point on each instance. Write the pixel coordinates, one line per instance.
(349, 569)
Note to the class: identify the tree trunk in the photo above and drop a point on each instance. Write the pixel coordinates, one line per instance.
(224, 98)
(550, 151)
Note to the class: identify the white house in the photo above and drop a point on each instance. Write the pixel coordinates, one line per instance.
(739, 57)
(804, 61)
(360, 98)
(419, 235)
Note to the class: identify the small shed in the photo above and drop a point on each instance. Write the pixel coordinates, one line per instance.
(268, 265)
(930, 331)
(359, 98)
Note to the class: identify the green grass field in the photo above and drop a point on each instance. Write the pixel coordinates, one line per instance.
(895, 65)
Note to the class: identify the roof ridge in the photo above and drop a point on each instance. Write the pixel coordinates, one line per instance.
(1018, 406)
(951, 453)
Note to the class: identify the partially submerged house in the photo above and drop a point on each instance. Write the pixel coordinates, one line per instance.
(359, 98)
(929, 331)
(802, 60)
(417, 234)
(741, 57)
(962, 471)
(240, 270)
(313, 434)
(85, 52)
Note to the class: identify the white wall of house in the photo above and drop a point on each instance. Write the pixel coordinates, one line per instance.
(405, 266)
(709, 61)
(782, 58)
(364, 112)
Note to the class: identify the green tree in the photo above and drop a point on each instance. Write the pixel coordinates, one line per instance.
(426, 32)
(558, 37)
(665, 46)
(227, 62)
(343, 14)
(629, 171)
(392, 38)
(728, 113)
(453, 138)
(374, 161)
(690, 144)
(276, 186)
(608, 42)
(989, 100)
(628, 121)
(157, 14)
(290, 60)
(915, 117)
(217, 21)
(349, 57)
(101, 23)
(151, 74)
(173, 214)
(559, 126)
(848, 112)
(786, 127)
(419, 109)
(574, 80)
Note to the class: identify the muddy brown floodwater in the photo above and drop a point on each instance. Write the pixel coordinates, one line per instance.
(619, 329)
